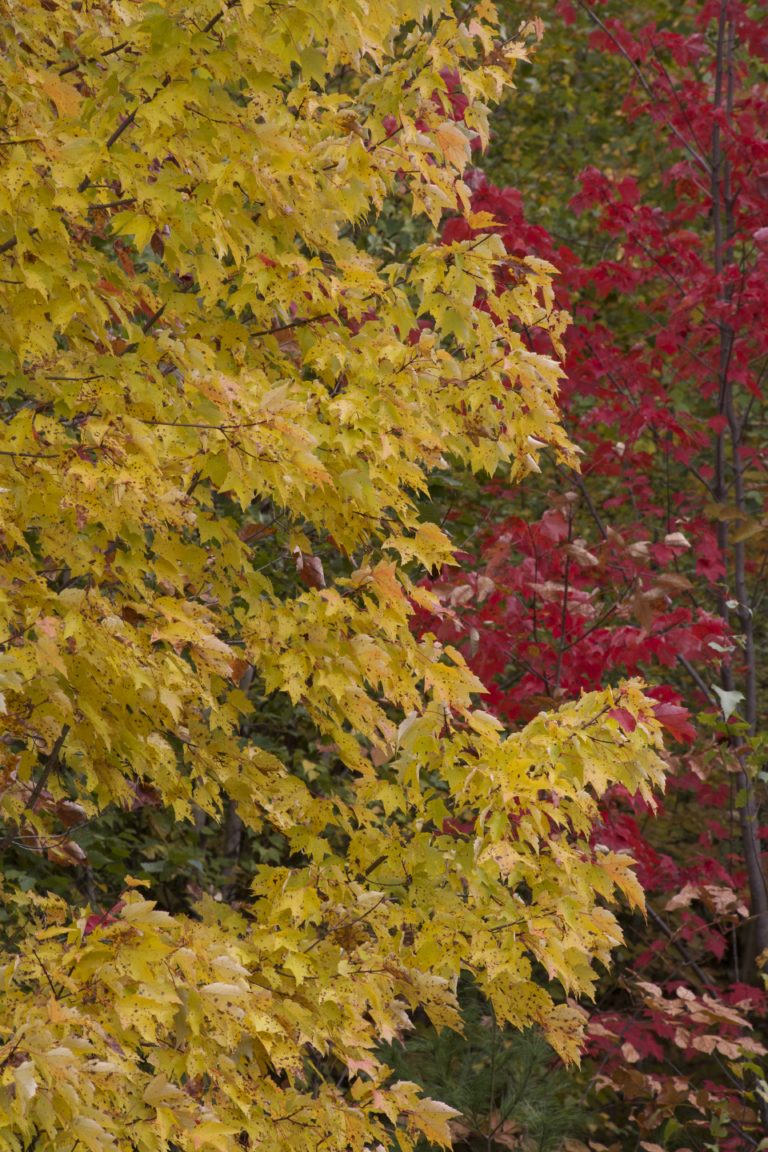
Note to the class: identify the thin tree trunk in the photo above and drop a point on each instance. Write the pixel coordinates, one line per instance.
(233, 832)
(729, 451)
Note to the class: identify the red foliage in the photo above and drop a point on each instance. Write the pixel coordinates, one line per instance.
(103, 919)
(614, 576)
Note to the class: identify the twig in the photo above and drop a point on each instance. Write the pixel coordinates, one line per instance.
(52, 761)
(51, 984)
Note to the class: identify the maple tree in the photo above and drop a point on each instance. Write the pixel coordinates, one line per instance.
(651, 560)
(220, 410)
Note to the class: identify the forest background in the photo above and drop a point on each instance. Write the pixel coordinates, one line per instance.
(632, 157)
(645, 184)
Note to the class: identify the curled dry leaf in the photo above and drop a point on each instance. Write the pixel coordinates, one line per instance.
(65, 852)
(309, 569)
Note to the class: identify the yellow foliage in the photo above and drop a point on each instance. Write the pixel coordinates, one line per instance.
(194, 335)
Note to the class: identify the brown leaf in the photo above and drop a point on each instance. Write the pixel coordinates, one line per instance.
(65, 852)
(145, 796)
(289, 344)
(255, 531)
(581, 554)
(70, 813)
(676, 540)
(309, 569)
(238, 669)
(132, 615)
(673, 582)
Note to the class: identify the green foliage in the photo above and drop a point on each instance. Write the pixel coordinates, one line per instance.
(509, 1087)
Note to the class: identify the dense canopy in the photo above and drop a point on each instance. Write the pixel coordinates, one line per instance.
(223, 400)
